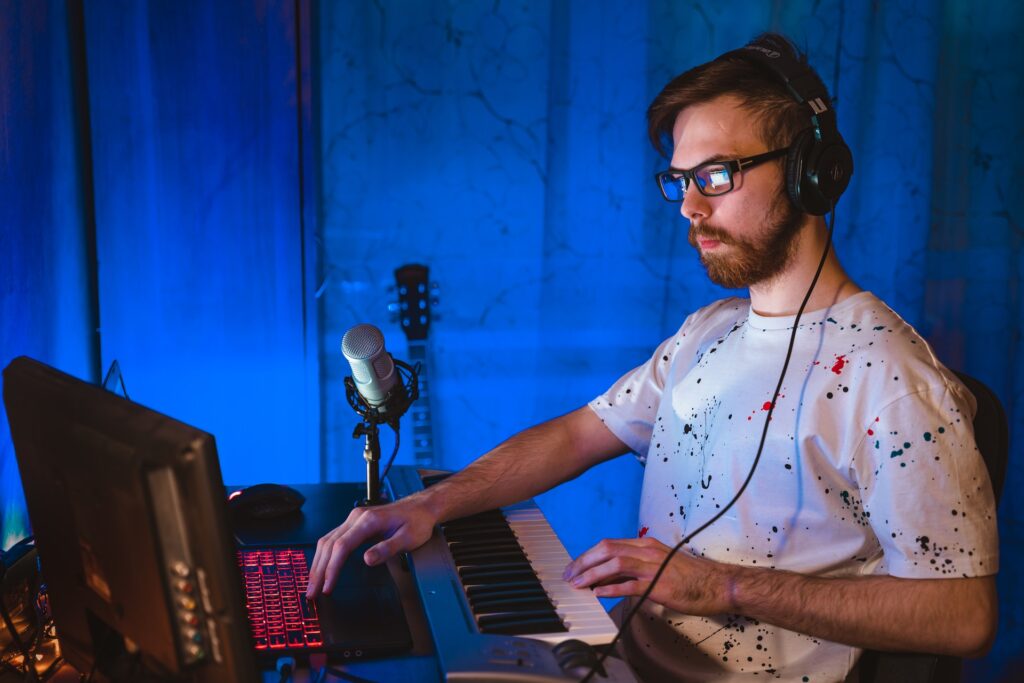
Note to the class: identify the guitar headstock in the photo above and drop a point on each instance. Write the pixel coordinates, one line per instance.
(416, 297)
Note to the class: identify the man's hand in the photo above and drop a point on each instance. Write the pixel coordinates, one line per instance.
(621, 567)
(403, 525)
(944, 616)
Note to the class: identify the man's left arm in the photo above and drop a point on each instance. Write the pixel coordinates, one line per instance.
(954, 616)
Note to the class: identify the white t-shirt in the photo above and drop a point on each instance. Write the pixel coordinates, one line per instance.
(869, 467)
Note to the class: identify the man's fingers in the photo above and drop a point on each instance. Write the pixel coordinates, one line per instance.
(322, 556)
(339, 553)
(611, 570)
(316, 567)
(385, 550)
(597, 555)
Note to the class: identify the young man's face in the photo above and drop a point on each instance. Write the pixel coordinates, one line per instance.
(744, 237)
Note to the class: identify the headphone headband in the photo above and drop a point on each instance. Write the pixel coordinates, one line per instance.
(820, 164)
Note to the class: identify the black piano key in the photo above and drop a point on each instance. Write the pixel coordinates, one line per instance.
(499, 524)
(540, 621)
(522, 615)
(525, 628)
(482, 575)
(481, 589)
(487, 564)
(466, 558)
(496, 605)
(471, 535)
(507, 546)
(486, 555)
(492, 592)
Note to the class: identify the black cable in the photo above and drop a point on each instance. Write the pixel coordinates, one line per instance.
(753, 467)
(26, 654)
(394, 452)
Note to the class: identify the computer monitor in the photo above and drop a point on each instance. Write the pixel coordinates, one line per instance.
(131, 524)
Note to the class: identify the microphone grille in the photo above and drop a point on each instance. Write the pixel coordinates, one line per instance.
(362, 342)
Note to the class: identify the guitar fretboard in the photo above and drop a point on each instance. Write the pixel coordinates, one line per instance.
(422, 426)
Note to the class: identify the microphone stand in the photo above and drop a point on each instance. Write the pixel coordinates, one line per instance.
(388, 412)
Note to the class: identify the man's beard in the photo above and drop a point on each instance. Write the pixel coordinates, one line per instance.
(751, 261)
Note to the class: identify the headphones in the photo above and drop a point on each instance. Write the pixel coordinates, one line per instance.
(818, 164)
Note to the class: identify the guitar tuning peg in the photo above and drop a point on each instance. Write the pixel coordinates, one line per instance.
(434, 301)
(434, 287)
(393, 307)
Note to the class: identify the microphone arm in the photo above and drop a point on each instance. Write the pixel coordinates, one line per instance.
(391, 409)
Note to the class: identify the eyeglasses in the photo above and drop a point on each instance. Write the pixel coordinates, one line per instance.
(712, 179)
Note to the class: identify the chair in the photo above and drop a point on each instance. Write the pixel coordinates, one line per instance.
(992, 434)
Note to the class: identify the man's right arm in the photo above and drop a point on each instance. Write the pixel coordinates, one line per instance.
(529, 463)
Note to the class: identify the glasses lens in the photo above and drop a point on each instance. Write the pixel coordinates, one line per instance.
(713, 179)
(672, 186)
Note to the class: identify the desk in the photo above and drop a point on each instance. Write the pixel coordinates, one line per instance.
(327, 506)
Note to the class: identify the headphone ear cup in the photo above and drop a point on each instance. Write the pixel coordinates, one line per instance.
(827, 172)
(796, 163)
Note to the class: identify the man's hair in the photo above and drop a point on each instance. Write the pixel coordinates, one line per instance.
(778, 117)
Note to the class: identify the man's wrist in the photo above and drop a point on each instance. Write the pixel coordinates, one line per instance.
(431, 502)
(738, 581)
(730, 592)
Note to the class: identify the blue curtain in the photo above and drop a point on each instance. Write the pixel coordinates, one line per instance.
(156, 213)
(47, 304)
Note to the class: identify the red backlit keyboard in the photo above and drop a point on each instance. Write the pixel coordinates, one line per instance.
(275, 590)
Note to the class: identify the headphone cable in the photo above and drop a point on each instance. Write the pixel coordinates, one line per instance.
(750, 475)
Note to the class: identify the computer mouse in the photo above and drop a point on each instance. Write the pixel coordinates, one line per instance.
(265, 501)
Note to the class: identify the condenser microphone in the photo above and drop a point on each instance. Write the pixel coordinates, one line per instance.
(373, 369)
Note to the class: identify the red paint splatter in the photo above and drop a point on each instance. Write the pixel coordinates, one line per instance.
(767, 405)
(871, 432)
(817, 362)
(840, 362)
(643, 532)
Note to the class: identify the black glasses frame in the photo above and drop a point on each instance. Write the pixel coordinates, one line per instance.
(733, 166)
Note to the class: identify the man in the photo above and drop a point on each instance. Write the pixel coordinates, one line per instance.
(869, 520)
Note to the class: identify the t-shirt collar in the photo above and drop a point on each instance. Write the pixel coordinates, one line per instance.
(785, 322)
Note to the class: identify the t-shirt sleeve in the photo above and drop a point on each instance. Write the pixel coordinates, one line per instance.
(925, 488)
(628, 408)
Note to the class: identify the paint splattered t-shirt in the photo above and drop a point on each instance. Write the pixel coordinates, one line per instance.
(869, 467)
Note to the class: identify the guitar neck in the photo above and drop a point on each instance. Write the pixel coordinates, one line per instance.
(422, 422)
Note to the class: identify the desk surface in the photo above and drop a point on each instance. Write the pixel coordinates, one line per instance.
(327, 506)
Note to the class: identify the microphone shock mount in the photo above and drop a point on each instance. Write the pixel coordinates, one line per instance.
(390, 410)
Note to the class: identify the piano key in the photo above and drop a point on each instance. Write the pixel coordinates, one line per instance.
(522, 603)
(483, 557)
(484, 589)
(493, 539)
(525, 626)
(481, 575)
(500, 592)
(510, 616)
